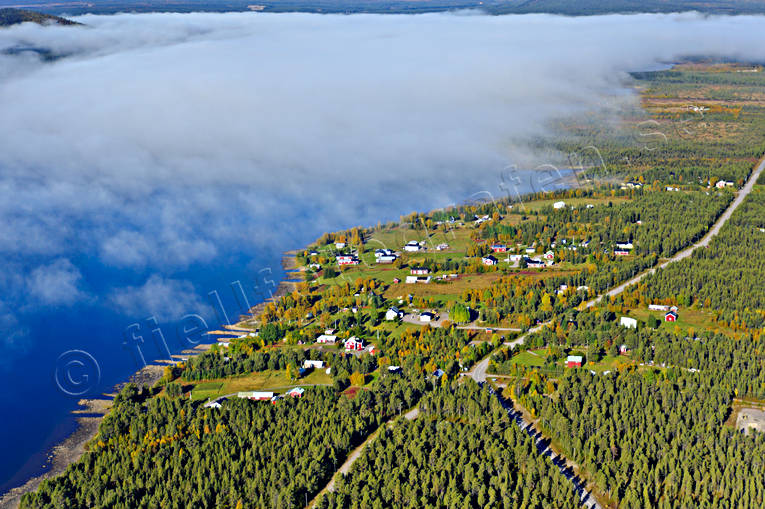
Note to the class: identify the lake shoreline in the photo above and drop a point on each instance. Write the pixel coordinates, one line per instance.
(88, 418)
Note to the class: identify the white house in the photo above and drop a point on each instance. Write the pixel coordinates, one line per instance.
(393, 314)
(489, 260)
(530, 250)
(442, 247)
(339, 245)
(559, 204)
(256, 395)
(386, 258)
(212, 404)
(722, 183)
(417, 279)
(624, 245)
(628, 322)
(419, 271)
(412, 246)
(313, 364)
(549, 255)
(534, 263)
(326, 339)
(427, 316)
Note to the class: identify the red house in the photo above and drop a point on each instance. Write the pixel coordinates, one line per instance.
(671, 316)
(347, 260)
(499, 248)
(574, 361)
(354, 343)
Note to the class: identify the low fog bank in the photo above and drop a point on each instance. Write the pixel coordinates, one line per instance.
(152, 144)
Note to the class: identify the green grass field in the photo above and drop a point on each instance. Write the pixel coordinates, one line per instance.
(276, 381)
(609, 363)
(528, 359)
(687, 319)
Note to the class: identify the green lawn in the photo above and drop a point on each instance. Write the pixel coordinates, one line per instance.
(528, 359)
(609, 363)
(578, 202)
(687, 318)
(276, 381)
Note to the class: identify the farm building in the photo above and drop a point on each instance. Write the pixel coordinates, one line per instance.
(313, 364)
(297, 392)
(559, 205)
(256, 395)
(574, 361)
(658, 307)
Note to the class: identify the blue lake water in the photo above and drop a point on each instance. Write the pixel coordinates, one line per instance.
(41, 388)
(35, 396)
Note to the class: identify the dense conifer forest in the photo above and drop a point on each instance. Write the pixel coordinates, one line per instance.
(461, 451)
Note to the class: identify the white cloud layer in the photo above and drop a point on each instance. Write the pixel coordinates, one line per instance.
(167, 140)
(165, 299)
(56, 284)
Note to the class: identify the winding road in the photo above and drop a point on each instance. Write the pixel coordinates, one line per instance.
(704, 242)
(479, 371)
(356, 454)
